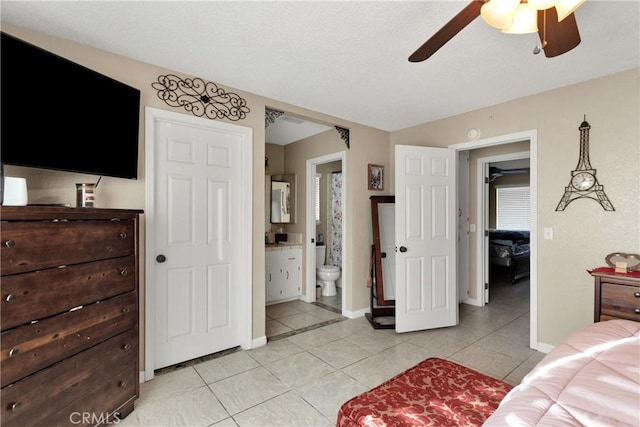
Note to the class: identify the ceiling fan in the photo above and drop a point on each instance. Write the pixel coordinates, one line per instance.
(552, 19)
(495, 173)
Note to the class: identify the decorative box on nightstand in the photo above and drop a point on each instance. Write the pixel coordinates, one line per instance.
(617, 295)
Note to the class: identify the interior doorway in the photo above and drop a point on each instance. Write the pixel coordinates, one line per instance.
(311, 242)
(476, 228)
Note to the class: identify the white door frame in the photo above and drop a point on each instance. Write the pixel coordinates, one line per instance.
(310, 240)
(482, 209)
(532, 137)
(153, 115)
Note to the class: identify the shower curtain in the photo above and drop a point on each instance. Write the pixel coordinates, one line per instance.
(334, 229)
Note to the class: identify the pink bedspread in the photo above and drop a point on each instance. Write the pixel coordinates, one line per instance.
(592, 379)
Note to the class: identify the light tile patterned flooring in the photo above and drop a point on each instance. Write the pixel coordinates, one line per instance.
(302, 379)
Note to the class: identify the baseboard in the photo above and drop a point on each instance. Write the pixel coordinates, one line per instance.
(544, 347)
(355, 314)
(472, 301)
(258, 342)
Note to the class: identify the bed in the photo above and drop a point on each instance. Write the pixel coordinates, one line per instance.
(509, 251)
(591, 379)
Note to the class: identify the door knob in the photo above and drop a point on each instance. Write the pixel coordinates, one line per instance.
(403, 249)
(161, 258)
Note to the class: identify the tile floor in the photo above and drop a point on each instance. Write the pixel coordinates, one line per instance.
(301, 379)
(293, 317)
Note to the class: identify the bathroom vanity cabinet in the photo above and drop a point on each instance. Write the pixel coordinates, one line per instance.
(283, 273)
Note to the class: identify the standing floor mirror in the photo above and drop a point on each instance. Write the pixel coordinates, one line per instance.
(383, 269)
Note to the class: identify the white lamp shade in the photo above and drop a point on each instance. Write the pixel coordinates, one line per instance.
(499, 13)
(567, 7)
(525, 20)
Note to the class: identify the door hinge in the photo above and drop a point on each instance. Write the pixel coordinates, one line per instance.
(486, 233)
(486, 179)
(486, 286)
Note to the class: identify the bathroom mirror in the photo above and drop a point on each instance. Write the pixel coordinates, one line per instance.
(383, 221)
(283, 199)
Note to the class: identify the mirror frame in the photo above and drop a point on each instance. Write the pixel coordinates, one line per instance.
(291, 179)
(375, 222)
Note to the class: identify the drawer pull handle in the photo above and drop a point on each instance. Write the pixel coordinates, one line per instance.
(13, 352)
(11, 298)
(123, 235)
(14, 406)
(124, 272)
(125, 310)
(127, 346)
(10, 243)
(637, 310)
(636, 294)
(122, 384)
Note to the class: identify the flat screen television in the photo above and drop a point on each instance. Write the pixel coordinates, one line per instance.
(59, 115)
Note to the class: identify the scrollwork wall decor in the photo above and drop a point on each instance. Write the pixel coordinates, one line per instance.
(344, 134)
(270, 116)
(200, 98)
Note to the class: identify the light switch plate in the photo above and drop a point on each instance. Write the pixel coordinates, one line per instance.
(548, 233)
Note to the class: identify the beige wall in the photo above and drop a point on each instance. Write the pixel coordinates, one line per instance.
(59, 187)
(584, 233)
(367, 146)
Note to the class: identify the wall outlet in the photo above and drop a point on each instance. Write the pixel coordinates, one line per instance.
(472, 228)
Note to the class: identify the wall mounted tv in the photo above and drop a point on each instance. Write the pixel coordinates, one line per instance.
(57, 114)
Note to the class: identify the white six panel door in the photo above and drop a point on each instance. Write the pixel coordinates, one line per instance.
(426, 288)
(197, 228)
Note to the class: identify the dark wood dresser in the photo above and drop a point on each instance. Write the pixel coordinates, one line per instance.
(617, 295)
(69, 315)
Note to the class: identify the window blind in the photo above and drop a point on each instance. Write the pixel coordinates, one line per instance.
(513, 208)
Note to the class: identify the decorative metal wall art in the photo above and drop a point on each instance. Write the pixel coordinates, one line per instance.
(270, 116)
(344, 134)
(583, 183)
(200, 98)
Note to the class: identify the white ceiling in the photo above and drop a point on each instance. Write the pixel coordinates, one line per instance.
(347, 59)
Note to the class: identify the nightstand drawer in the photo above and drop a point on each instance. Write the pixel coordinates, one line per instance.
(620, 301)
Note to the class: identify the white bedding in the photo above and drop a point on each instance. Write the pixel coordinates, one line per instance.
(592, 379)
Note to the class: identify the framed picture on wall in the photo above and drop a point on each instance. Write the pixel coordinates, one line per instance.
(376, 177)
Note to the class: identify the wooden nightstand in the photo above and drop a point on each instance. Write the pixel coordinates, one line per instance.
(617, 295)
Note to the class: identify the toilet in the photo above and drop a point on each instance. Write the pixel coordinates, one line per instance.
(326, 274)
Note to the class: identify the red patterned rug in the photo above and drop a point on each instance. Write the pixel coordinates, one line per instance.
(435, 392)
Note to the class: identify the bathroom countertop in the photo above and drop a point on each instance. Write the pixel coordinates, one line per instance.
(282, 246)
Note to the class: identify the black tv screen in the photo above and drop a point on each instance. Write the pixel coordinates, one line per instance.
(57, 114)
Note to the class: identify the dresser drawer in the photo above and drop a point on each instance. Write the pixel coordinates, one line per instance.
(620, 301)
(40, 294)
(29, 348)
(29, 246)
(96, 381)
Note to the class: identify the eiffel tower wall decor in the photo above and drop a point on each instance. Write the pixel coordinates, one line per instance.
(583, 183)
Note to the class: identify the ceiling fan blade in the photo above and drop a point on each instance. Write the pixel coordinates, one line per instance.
(446, 33)
(560, 37)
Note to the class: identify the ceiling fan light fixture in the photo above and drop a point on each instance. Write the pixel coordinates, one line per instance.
(525, 20)
(567, 7)
(499, 13)
(542, 4)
